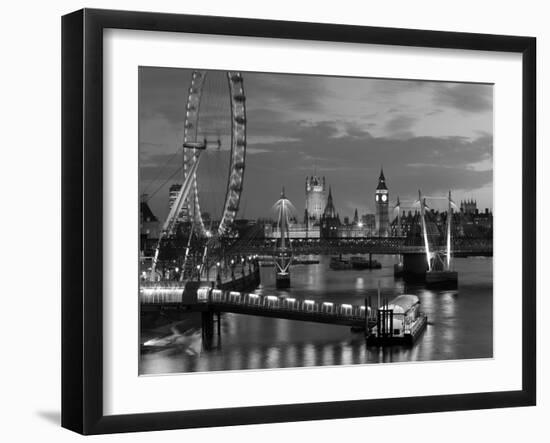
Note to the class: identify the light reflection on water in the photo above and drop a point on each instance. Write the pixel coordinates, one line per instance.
(460, 324)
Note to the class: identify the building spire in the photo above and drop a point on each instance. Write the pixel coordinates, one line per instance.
(330, 211)
(381, 180)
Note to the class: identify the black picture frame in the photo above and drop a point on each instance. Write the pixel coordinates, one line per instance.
(82, 190)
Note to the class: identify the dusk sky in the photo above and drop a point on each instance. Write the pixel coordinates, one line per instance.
(430, 135)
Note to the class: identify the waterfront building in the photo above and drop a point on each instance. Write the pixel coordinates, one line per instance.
(355, 218)
(476, 224)
(484, 219)
(183, 216)
(468, 206)
(316, 200)
(330, 220)
(353, 231)
(149, 225)
(369, 223)
(470, 225)
(381, 201)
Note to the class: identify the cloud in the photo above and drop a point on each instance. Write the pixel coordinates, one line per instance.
(465, 97)
(399, 126)
(351, 166)
(434, 112)
(344, 128)
(294, 92)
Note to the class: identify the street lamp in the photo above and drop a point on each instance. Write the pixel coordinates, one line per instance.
(198, 273)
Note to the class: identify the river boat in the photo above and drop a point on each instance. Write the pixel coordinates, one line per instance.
(339, 264)
(399, 322)
(364, 263)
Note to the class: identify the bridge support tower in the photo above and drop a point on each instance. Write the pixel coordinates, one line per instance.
(207, 324)
(207, 328)
(414, 266)
(282, 256)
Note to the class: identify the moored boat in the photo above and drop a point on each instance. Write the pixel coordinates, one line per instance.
(364, 263)
(399, 322)
(339, 264)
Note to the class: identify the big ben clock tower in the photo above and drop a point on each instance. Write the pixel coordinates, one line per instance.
(381, 199)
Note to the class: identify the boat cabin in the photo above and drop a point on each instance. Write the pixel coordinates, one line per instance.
(399, 315)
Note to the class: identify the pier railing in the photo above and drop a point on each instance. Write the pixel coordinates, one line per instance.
(285, 307)
(170, 292)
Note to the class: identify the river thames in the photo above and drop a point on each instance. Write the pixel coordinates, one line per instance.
(460, 324)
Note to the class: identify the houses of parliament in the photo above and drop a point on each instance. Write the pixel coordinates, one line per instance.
(322, 220)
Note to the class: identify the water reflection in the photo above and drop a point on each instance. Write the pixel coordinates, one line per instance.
(460, 325)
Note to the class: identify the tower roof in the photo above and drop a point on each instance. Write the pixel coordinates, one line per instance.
(146, 213)
(381, 181)
(330, 211)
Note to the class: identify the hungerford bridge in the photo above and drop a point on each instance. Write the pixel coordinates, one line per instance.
(361, 245)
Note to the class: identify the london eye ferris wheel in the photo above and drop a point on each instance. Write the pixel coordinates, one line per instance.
(215, 128)
(214, 150)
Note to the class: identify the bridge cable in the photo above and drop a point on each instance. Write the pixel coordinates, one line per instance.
(163, 168)
(164, 183)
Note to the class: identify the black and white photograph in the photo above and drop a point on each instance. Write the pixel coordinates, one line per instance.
(291, 220)
(272, 222)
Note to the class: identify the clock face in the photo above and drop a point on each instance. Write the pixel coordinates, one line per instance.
(377, 197)
(384, 198)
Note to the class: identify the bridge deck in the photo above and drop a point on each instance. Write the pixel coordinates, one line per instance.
(217, 300)
(365, 245)
(293, 314)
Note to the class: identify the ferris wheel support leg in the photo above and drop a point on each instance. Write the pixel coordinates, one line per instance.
(169, 223)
